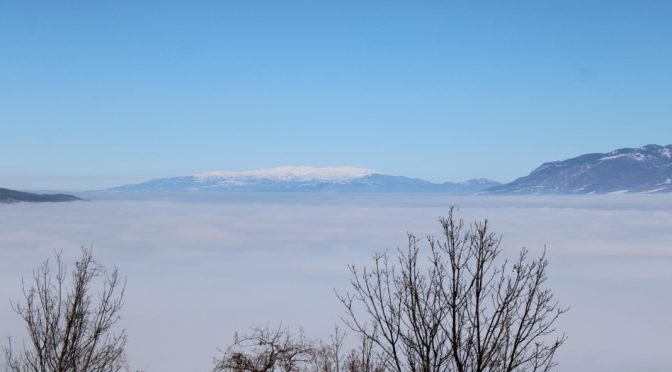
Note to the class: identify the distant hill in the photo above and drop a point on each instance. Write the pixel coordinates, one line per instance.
(646, 169)
(12, 196)
(306, 179)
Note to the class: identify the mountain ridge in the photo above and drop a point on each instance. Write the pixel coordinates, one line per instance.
(310, 179)
(14, 196)
(646, 169)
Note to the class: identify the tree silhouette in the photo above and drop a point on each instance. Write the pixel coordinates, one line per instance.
(71, 329)
(460, 310)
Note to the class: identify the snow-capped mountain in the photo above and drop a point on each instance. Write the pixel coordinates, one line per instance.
(311, 179)
(646, 169)
(290, 174)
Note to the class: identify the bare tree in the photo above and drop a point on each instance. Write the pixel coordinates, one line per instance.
(267, 349)
(71, 329)
(278, 349)
(365, 359)
(460, 310)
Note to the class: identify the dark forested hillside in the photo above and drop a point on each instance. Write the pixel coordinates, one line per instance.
(11, 196)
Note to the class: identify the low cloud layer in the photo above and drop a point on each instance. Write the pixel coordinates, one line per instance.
(199, 269)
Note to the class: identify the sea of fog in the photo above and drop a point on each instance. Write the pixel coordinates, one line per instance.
(201, 267)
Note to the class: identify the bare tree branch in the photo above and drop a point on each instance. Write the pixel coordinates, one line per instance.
(69, 328)
(460, 310)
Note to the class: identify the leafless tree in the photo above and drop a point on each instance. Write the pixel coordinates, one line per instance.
(70, 328)
(267, 349)
(460, 310)
(365, 359)
(278, 349)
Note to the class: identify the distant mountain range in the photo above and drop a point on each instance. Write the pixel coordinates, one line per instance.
(310, 179)
(13, 196)
(646, 169)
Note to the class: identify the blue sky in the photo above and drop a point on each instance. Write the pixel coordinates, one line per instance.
(97, 94)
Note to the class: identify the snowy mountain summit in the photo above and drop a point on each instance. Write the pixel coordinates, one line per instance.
(310, 179)
(288, 174)
(646, 169)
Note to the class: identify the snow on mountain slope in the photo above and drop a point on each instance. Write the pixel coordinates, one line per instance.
(333, 174)
(311, 179)
(629, 170)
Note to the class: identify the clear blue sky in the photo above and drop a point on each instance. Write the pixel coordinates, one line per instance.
(100, 93)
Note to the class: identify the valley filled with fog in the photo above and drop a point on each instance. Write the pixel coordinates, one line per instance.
(200, 267)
